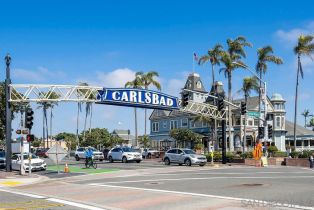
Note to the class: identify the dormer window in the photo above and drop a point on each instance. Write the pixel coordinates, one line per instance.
(199, 84)
(189, 84)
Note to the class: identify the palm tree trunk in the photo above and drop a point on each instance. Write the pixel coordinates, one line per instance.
(46, 121)
(244, 137)
(304, 121)
(135, 118)
(85, 121)
(145, 120)
(296, 105)
(260, 96)
(44, 135)
(50, 125)
(213, 74)
(229, 112)
(90, 118)
(77, 124)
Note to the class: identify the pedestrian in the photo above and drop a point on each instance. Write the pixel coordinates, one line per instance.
(311, 159)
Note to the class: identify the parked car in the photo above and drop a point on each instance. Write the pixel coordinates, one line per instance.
(2, 159)
(36, 162)
(80, 154)
(184, 156)
(149, 153)
(42, 152)
(124, 154)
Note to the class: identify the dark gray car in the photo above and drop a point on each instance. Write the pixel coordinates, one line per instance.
(2, 159)
(184, 156)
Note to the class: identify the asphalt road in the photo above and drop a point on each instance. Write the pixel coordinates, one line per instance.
(183, 187)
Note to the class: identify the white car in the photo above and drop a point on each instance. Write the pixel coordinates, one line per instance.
(124, 154)
(36, 162)
(148, 153)
(80, 154)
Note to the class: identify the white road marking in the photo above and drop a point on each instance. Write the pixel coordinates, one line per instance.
(209, 196)
(70, 203)
(21, 193)
(205, 178)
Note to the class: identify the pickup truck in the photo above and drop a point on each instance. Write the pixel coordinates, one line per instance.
(149, 153)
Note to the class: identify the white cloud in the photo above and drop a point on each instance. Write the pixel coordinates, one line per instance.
(291, 36)
(41, 74)
(116, 78)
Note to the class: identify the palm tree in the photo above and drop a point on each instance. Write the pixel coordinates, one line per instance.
(45, 105)
(136, 83)
(230, 65)
(213, 55)
(305, 46)
(147, 80)
(265, 55)
(249, 84)
(306, 114)
(232, 60)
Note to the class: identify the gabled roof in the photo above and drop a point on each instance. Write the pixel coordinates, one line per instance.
(252, 103)
(300, 130)
(193, 81)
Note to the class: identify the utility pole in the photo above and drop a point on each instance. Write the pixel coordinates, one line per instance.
(8, 115)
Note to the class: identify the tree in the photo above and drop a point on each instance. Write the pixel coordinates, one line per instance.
(145, 141)
(209, 121)
(184, 135)
(147, 79)
(306, 114)
(138, 84)
(113, 141)
(69, 139)
(97, 136)
(264, 56)
(249, 84)
(305, 46)
(45, 105)
(312, 123)
(213, 55)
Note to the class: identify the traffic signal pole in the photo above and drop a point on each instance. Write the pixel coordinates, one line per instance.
(8, 115)
(223, 128)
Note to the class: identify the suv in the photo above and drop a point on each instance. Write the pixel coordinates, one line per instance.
(184, 156)
(124, 154)
(2, 159)
(148, 153)
(42, 152)
(80, 154)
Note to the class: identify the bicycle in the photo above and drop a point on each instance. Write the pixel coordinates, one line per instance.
(90, 162)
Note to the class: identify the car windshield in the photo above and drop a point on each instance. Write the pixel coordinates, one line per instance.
(127, 149)
(2, 154)
(33, 156)
(188, 151)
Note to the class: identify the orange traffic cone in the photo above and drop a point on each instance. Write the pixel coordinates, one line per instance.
(66, 168)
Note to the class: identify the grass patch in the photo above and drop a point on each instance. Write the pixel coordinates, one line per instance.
(75, 169)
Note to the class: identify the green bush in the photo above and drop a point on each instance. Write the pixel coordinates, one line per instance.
(305, 154)
(272, 149)
(247, 155)
(295, 154)
(279, 154)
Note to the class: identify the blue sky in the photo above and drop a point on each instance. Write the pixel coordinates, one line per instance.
(106, 42)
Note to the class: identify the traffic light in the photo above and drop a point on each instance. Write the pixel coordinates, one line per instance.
(185, 99)
(243, 108)
(260, 132)
(29, 118)
(30, 138)
(220, 104)
(270, 131)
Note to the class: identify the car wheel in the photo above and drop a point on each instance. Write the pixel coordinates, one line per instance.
(149, 156)
(202, 165)
(124, 160)
(110, 159)
(138, 161)
(77, 158)
(180, 164)
(187, 162)
(101, 159)
(167, 161)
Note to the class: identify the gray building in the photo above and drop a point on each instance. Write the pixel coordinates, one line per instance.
(128, 139)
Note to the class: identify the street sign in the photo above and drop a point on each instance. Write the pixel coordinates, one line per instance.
(253, 114)
(137, 98)
(56, 153)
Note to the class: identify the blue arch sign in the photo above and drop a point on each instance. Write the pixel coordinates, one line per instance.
(137, 98)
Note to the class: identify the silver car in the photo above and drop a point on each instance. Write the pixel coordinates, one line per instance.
(184, 156)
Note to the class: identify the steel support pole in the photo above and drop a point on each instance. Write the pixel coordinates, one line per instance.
(8, 115)
(223, 130)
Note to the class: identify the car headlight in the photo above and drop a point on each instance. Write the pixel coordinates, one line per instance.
(192, 156)
(130, 154)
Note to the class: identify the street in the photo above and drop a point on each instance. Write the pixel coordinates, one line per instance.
(146, 186)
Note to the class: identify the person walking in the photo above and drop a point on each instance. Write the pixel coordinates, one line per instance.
(311, 159)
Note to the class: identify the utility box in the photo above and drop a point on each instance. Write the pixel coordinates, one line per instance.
(16, 147)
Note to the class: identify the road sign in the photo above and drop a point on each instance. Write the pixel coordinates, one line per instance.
(137, 98)
(253, 114)
(56, 153)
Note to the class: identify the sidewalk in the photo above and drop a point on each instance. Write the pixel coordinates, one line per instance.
(12, 179)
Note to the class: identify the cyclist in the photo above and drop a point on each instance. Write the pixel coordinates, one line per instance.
(89, 155)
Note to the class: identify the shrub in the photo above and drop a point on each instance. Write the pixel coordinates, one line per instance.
(272, 149)
(305, 154)
(247, 155)
(295, 154)
(280, 154)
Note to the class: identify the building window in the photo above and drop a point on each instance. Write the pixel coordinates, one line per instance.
(256, 122)
(199, 85)
(282, 122)
(155, 126)
(184, 122)
(204, 124)
(238, 121)
(278, 122)
(250, 122)
(164, 124)
(173, 124)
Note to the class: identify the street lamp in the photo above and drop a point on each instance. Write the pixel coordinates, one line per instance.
(264, 98)
(8, 114)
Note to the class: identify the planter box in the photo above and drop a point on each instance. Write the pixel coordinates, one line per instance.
(277, 161)
(238, 160)
(252, 162)
(300, 162)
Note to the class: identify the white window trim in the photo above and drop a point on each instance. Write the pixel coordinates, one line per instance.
(187, 122)
(173, 124)
(156, 127)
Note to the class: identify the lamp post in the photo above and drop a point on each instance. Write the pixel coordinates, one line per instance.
(8, 115)
(264, 98)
